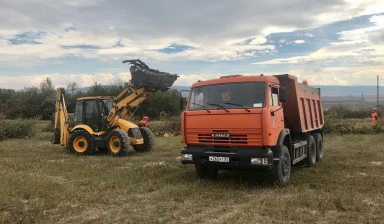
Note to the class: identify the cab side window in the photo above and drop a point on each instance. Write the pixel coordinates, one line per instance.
(273, 98)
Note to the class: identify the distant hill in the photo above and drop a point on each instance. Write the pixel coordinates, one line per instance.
(326, 91)
(349, 90)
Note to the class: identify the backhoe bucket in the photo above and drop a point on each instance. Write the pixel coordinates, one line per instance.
(143, 76)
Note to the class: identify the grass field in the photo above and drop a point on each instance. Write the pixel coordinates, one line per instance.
(43, 183)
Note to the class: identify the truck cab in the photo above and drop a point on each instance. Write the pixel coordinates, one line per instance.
(239, 122)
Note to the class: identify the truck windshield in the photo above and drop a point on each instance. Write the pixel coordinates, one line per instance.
(238, 95)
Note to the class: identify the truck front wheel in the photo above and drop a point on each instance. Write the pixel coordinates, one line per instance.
(205, 172)
(281, 170)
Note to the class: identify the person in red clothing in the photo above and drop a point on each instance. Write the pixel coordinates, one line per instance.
(374, 116)
(144, 121)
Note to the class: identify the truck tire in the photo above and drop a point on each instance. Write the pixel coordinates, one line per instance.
(81, 143)
(311, 152)
(204, 172)
(281, 170)
(118, 143)
(319, 146)
(149, 140)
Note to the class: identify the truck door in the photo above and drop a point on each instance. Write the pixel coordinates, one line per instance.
(276, 112)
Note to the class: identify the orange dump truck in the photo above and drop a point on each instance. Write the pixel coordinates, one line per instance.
(252, 122)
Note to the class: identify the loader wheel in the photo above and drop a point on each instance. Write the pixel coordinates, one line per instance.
(82, 143)
(319, 146)
(118, 143)
(311, 152)
(149, 140)
(281, 170)
(204, 172)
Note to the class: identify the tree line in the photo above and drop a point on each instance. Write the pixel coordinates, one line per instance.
(39, 102)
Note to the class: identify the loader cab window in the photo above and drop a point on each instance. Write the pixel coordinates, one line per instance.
(237, 95)
(108, 104)
(91, 113)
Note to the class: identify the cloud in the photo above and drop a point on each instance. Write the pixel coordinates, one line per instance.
(299, 41)
(62, 80)
(358, 45)
(41, 34)
(148, 25)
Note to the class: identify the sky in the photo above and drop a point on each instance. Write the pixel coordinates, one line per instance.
(327, 42)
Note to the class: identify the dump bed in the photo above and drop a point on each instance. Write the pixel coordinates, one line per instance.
(303, 110)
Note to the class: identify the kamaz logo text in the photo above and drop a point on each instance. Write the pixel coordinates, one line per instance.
(221, 135)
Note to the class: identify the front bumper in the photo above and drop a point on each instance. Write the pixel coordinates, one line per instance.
(238, 157)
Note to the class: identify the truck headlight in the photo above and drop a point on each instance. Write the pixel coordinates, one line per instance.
(259, 161)
(186, 157)
(256, 161)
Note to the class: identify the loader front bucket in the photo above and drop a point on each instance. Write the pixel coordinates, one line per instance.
(143, 76)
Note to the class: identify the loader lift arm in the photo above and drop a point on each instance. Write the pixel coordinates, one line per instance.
(145, 81)
(121, 106)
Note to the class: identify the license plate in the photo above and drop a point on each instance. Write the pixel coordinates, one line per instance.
(219, 159)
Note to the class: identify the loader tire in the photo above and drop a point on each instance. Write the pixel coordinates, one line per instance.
(82, 143)
(311, 152)
(319, 146)
(118, 143)
(281, 170)
(149, 140)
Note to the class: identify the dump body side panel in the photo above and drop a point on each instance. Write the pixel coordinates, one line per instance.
(303, 109)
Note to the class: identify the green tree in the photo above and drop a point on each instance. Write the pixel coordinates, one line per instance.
(5, 98)
(48, 99)
(72, 86)
(161, 101)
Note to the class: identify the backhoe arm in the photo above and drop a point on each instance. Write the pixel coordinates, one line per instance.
(61, 123)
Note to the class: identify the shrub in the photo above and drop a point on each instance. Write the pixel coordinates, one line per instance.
(16, 129)
(340, 111)
(171, 125)
(352, 126)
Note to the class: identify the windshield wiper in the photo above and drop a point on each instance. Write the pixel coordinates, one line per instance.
(202, 107)
(236, 104)
(218, 105)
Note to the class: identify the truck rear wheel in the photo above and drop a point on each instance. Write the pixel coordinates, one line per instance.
(311, 152)
(82, 143)
(149, 140)
(118, 143)
(205, 172)
(319, 146)
(281, 170)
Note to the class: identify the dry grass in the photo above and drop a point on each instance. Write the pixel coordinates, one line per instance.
(43, 183)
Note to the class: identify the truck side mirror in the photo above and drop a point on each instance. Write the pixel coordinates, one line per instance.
(181, 102)
(283, 94)
(181, 99)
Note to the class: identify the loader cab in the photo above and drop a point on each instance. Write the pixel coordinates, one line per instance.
(92, 112)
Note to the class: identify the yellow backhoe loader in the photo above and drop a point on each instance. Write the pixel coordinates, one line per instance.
(102, 122)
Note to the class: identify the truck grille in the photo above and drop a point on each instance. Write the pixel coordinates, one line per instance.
(233, 139)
